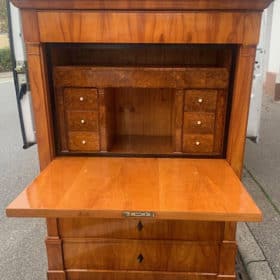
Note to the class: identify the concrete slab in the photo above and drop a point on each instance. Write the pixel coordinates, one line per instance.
(22, 249)
(260, 271)
(247, 245)
(263, 158)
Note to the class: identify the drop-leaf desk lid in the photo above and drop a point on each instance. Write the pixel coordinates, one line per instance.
(104, 187)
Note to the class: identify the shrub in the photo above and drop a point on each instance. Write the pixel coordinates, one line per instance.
(5, 60)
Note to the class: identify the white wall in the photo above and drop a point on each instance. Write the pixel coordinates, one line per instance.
(274, 42)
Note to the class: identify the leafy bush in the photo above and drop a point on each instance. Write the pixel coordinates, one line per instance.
(3, 17)
(5, 60)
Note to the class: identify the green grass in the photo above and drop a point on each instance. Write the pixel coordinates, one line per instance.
(5, 60)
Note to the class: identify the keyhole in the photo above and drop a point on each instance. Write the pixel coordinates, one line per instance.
(140, 258)
(140, 226)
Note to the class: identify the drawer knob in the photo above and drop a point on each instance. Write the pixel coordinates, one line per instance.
(200, 100)
(197, 143)
(83, 121)
(198, 122)
(140, 258)
(140, 226)
(84, 142)
(81, 98)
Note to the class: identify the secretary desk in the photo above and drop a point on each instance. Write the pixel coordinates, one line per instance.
(141, 112)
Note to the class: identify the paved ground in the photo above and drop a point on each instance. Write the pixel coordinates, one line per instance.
(262, 178)
(22, 252)
(22, 255)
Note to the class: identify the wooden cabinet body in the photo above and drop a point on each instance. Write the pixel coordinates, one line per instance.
(141, 112)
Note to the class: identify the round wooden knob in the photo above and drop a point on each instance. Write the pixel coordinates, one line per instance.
(197, 143)
(198, 122)
(81, 98)
(83, 121)
(200, 100)
(84, 142)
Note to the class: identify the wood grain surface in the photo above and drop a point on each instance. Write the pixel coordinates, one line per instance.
(144, 27)
(187, 189)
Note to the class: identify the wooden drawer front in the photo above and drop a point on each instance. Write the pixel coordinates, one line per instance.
(83, 141)
(199, 123)
(199, 144)
(140, 255)
(136, 275)
(82, 121)
(141, 229)
(81, 99)
(200, 100)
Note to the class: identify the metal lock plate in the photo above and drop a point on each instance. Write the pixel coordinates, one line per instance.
(137, 214)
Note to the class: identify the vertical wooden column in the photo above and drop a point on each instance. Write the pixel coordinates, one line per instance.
(40, 100)
(178, 114)
(37, 70)
(54, 252)
(240, 107)
(228, 253)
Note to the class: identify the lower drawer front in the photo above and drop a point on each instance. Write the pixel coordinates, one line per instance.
(141, 229)
(141, 255)
(136, 275)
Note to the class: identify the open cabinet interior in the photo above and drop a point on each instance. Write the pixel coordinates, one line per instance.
(141, 99)
(140, 120)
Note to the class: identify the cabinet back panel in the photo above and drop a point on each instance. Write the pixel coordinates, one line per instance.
(146, 112)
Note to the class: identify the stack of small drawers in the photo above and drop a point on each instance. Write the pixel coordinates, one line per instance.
(81, 109)
(201, 121)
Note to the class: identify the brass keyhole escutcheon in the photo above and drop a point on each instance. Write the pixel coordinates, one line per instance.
(140, 258)
(140, 226)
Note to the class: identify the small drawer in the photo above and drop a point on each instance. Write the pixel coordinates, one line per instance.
(83, 141)
(149, 255)
(200, 101)
(141, 229)
(198, 144)
(82, 121)
(199, 123)
(81, 99)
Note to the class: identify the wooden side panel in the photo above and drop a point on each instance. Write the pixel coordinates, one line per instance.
(30, 26)
(41, 103)
(220, 121)
(226, 277)
(240, 107)
(56, 275)
(54, 249)
(135, 275)
(178, 120)
(230, 231)
(158, 27)
(227, 258)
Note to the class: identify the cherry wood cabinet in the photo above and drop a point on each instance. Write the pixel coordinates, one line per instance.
(141, 112)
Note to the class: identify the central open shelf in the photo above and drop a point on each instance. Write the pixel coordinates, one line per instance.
(142, 144)
(141, 120)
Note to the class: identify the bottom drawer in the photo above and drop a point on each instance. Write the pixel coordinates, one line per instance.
(136, 275)
(198, 143)
(83, 141)
(149, 255)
